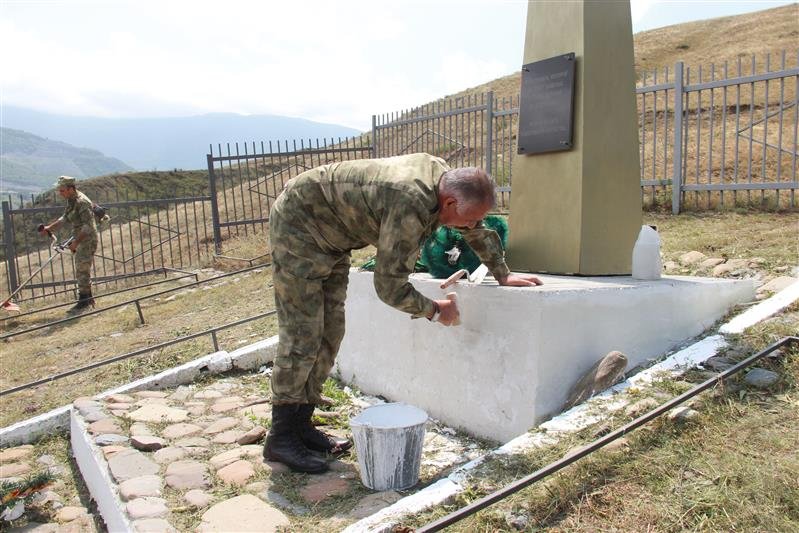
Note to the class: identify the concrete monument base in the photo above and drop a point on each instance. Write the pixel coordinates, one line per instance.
(518, 351)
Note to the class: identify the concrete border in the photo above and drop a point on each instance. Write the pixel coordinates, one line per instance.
(97, 477)
(245, 358)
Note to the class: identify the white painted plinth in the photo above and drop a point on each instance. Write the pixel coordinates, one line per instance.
(518, 351)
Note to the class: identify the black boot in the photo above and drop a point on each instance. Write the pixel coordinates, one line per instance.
(85, 300)
(313, 438)
(283, 444)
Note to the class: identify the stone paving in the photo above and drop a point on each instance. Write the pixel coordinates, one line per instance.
(190, 459)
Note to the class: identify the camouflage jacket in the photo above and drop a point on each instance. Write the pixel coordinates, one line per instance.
(390, 203)
(78, 213)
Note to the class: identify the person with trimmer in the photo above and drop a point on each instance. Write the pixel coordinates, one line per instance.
(80, 216)
(394, 204)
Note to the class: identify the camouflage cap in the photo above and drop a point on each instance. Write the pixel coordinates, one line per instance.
(65, 181)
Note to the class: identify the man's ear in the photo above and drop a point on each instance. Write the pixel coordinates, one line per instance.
(449, 201)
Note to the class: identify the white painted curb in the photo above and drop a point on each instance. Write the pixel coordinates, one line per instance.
(245, 358)
(97, 477)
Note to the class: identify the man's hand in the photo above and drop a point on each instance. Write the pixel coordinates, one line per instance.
(42, 229)
(449, 313)
(520, 280)
(73, 246)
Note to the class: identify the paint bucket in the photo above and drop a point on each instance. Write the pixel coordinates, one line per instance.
(388, 441)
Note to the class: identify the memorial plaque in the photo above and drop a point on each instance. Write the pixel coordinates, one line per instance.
(546, 106)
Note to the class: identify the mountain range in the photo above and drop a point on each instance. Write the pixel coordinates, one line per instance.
(167, 143)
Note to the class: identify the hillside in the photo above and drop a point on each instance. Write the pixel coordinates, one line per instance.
(31, 163)
(698, 43)
(171, 142)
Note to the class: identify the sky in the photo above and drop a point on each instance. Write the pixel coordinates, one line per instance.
(337, 61)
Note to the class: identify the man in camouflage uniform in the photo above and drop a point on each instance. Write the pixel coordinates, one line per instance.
(80, 217)
(394, 204)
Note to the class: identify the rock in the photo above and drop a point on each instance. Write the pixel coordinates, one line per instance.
(641, 407)
(109, 451)
(119, 398)
(147, 443)
(284, 503)
(682, 413)
(35, 527)
(259, 410)
(254, 435)
(242, 513)
(221, 425)
(14, 469)
(258, 487)
(208, 394)
(320, 488)
(152, 401)
(777, 284)
(105, 426)
(129, 464)
(181, 394)
(150, 394)
(193, 442)
(158, 413)
(153, 525)
(372, 503)
(149, 507)
(227, 404)
(196, 408)
(718, 363)
(84, 403)
(138, 487)
(761, 378)
(197, 498)
(110, 439)
(178, 431)
(227, 437)
(237, 473)
(228, 457)
(722, 270)
(601, 376)
(518, 521)
(252, 450)
(710, 262)
(671, 266)
(277, 468)
(140, 428)
(94, 415)
(187, 475)
(169, 454)
(13, 454)
(70, 513)
(691, 258)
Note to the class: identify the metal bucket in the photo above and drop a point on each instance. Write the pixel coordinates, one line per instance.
(388, 441)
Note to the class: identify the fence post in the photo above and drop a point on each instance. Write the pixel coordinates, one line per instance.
(489, 127)
(11, 252)
(676, 174)
(214, 205)
(374, 137)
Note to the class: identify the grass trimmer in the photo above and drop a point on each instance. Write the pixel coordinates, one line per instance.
(55, 250)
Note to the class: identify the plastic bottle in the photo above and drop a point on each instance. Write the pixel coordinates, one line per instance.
(646, 255)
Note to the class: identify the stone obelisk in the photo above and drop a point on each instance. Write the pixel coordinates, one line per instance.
(578, 211)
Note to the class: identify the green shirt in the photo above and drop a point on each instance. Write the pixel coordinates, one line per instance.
(390, 203)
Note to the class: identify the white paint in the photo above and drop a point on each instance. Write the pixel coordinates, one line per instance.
(518, 351)
(764, 309)
(388, 440)
(97, 476)
(548, 433)
(390, 416)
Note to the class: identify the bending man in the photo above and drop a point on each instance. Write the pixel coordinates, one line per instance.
(78, 214)
(323, 214)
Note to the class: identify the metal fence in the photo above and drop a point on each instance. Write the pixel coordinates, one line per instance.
(474, 130)
(244, 181)
(143, 237)
(707, 131)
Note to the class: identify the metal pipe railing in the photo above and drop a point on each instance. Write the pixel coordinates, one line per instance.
(560, 464)
(117, 358)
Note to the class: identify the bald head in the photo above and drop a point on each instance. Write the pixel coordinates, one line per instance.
(470, 186)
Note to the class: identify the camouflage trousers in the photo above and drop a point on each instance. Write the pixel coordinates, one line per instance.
(310, 289)
(84, 258)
